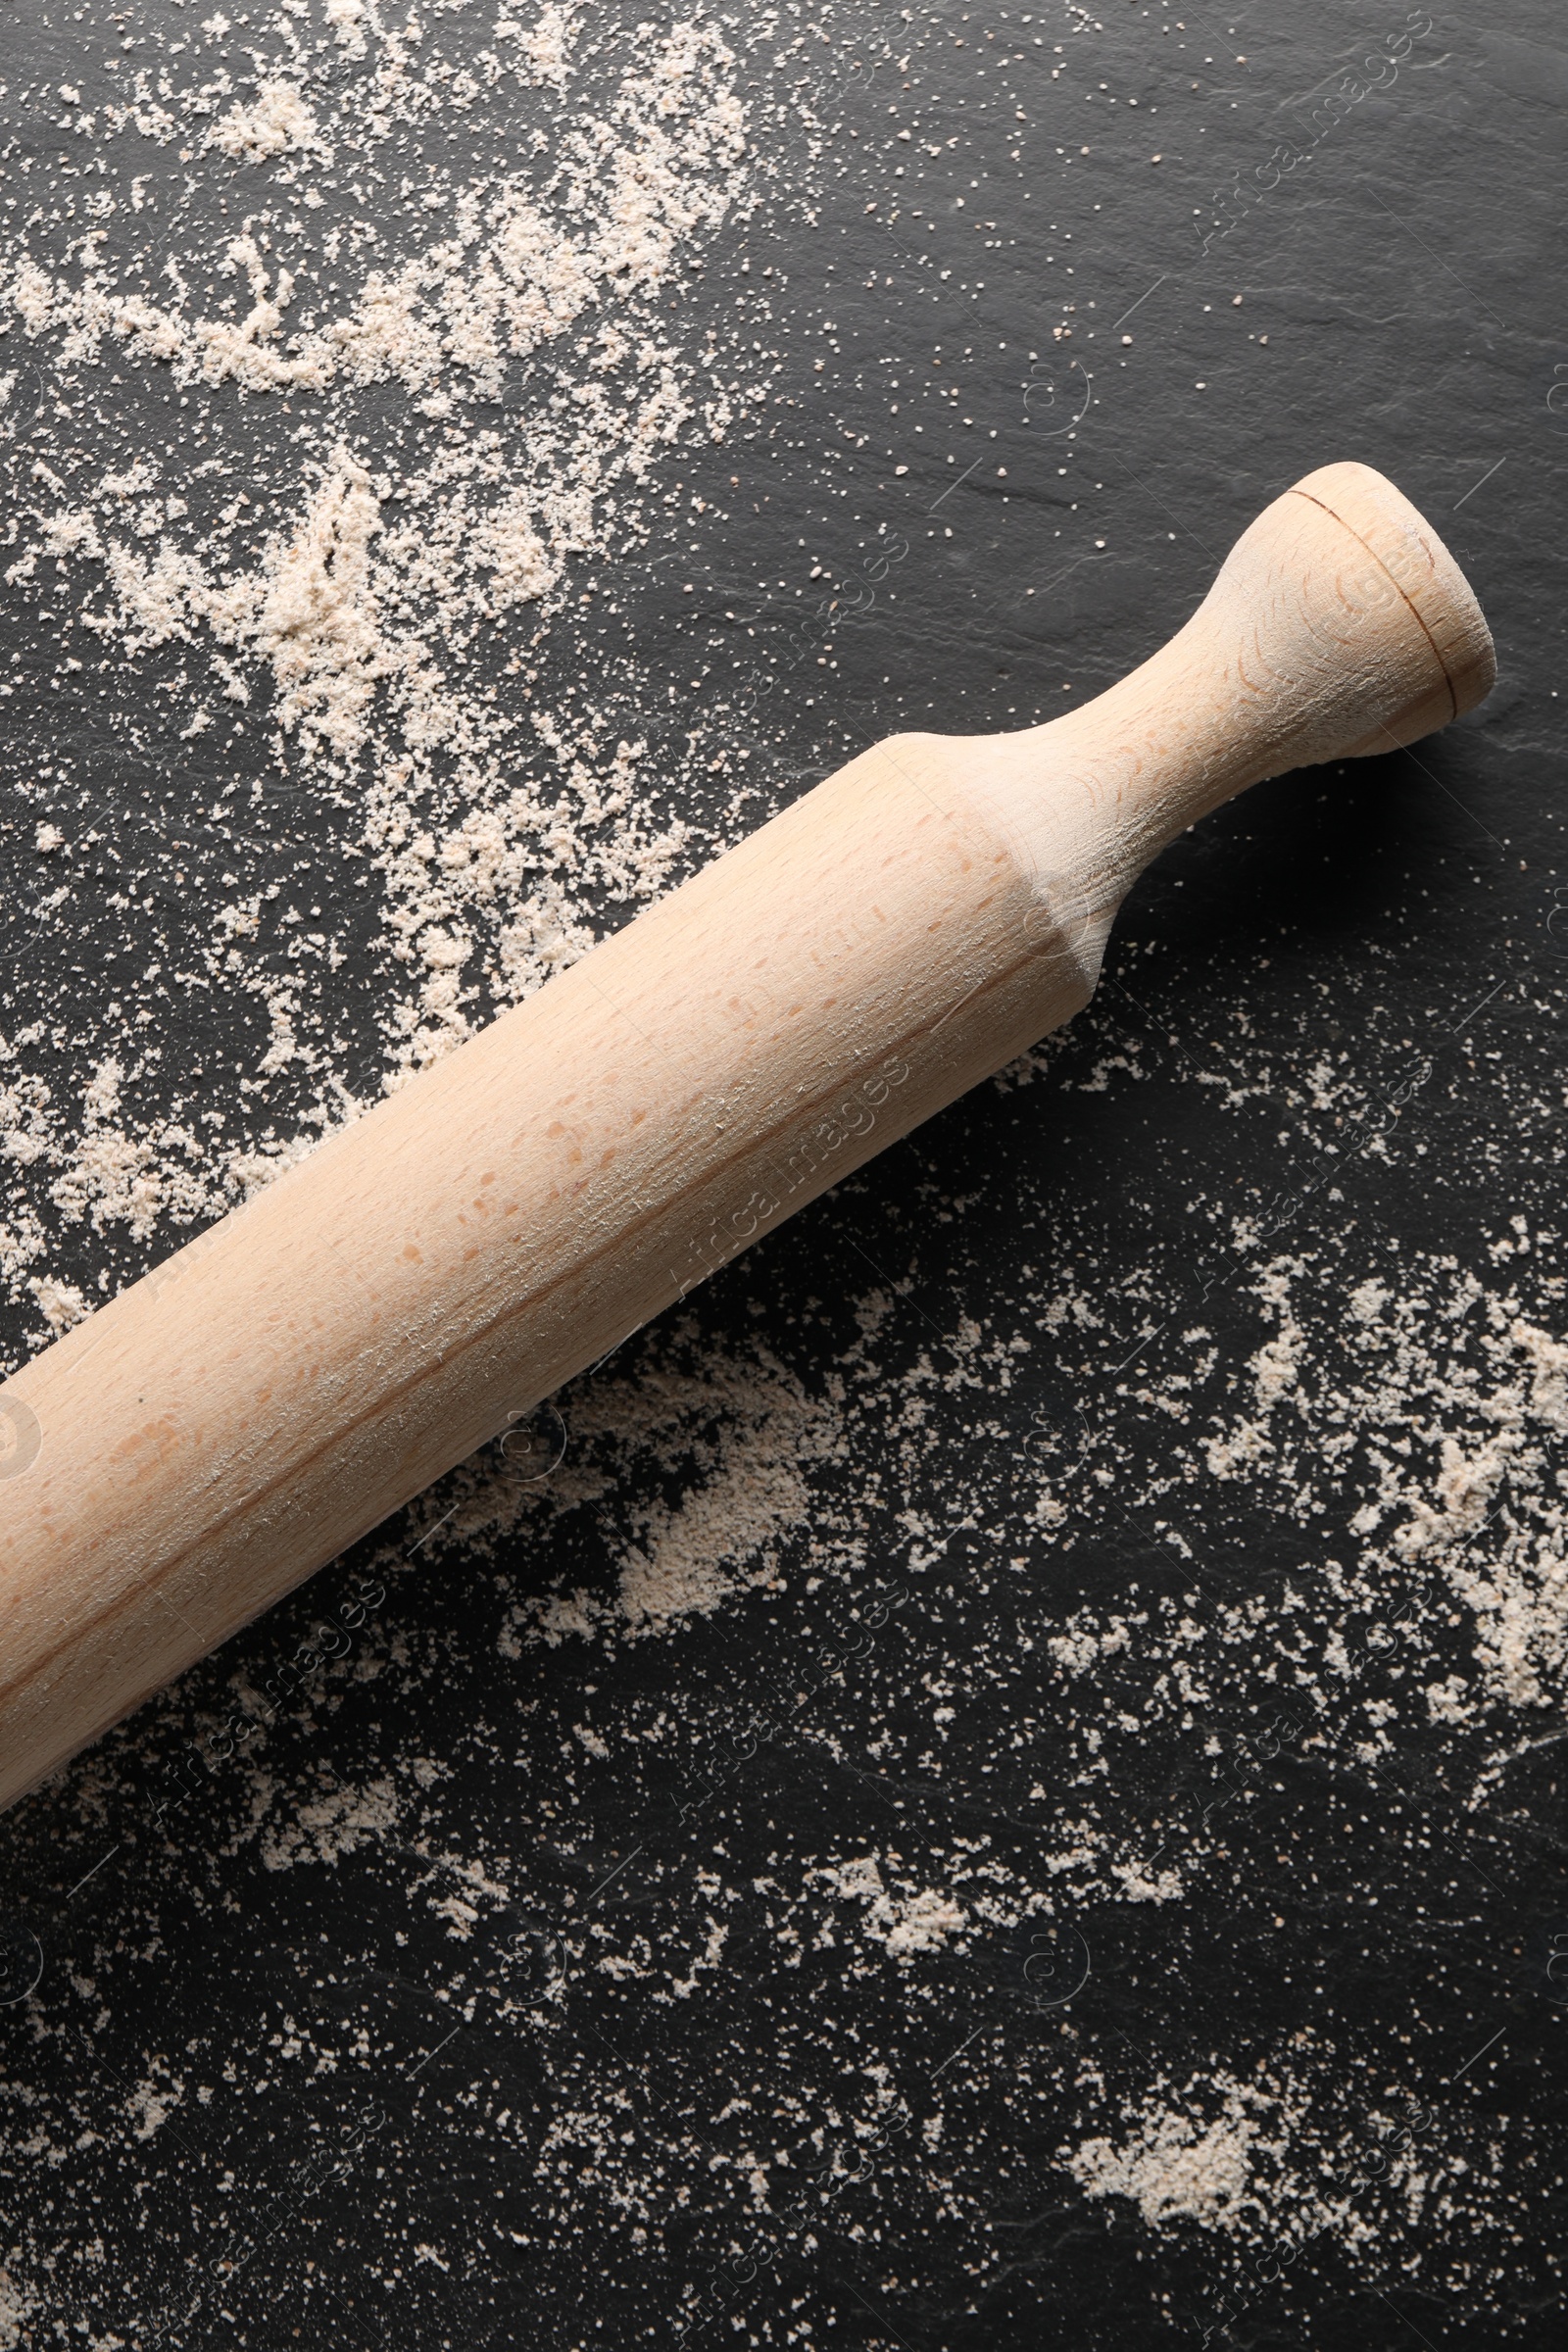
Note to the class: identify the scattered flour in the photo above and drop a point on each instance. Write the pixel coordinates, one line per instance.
(752, 1435)
(154, 2100)
(276, 121)
(920, 1924)
(1177, 2168)
(904, 1923)
(1426, 1425)
(491, 382)
(326, 1828)
(16, 2306)
(1295, 2155)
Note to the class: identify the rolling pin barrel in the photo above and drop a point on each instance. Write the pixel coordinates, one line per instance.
(229, 1423)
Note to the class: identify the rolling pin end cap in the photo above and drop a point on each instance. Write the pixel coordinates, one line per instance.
(1421, 569)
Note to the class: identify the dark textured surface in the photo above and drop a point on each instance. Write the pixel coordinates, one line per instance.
(397, 2099)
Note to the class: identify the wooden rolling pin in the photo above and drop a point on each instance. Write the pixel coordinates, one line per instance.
(214, 1435)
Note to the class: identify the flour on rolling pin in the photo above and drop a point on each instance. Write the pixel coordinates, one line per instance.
(909, 927)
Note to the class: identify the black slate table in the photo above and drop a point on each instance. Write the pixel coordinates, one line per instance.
(1045, 1792)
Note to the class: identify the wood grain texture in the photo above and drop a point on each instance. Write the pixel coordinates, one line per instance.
(231, 1422)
